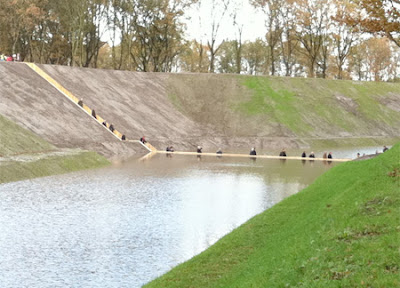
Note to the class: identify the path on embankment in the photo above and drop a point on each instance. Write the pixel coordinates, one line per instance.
(185, 110)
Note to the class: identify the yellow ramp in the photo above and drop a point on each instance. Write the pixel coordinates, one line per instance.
(74, 99)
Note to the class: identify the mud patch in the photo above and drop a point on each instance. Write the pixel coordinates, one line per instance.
(347, 103)
(391, 103)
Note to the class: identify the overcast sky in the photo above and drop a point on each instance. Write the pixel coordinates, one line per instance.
(199, 24)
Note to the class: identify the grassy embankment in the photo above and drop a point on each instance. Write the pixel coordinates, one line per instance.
(326, 108)
(341, 231)
(318, 112)
(16, 146)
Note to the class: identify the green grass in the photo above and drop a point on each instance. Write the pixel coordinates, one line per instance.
(310, 106)
(280, 104)
(16, 140)
(15, 171)
(341, 231)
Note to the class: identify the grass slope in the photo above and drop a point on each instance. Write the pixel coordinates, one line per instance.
(307, 106)
(246, 106)
(15, 140)
(341, 231)
(15, 171)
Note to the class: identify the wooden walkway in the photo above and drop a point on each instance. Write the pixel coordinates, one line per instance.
(243, 156)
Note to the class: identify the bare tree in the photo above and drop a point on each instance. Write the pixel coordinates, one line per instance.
(344, 36)
(219, 8)
(271, 10)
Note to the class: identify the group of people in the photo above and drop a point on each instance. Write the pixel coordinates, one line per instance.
(9, 58)
(311, 155)
(105, 124)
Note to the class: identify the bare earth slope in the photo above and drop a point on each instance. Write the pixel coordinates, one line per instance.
(136, 103)
(186, 110)
(31, 102)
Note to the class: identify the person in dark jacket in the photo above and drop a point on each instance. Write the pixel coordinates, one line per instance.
(304, 155)
(123, 138)
(80, 102)
(104, 123)
(143, 140)
(312, 155)
(253, 151)
(330, 155)
(219, 151)
(283, 153)
(385, 148)
(111, 128)
(199, 148)
(94, 114)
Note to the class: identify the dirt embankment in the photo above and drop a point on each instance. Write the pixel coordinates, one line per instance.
(185, 110)
(32, 103)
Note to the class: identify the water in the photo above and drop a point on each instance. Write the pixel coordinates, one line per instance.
(125, 225)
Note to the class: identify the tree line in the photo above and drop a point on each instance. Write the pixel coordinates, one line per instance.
(341, 39)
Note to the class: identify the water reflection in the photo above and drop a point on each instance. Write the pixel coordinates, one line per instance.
(125, 225)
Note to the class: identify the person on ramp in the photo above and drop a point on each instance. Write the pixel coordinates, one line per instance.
(253, 151)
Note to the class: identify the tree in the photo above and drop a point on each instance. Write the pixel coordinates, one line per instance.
(312, 29)
(271, 9)
(288, 40)
(193, 57)
(378, 55)
(379, 16)
(227, 57)
(255, 56)
(344, 36)
(219, 9)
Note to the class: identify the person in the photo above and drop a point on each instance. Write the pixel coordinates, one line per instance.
(104, 123)
(80, 102)
(143, 140)
(170, 149)
(304, 155)
(219, 151)
(330, 155)
(325, 156)
(253, 151)
(283, 153)
(94, 114)
(123, 138)
(199, 148)
(9, 59)
(111, 128)
(385, 148)
(312, 155)
(358, 155)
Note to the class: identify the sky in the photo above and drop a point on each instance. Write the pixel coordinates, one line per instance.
(199, 24)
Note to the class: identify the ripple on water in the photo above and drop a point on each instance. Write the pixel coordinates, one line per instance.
(125, 225)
